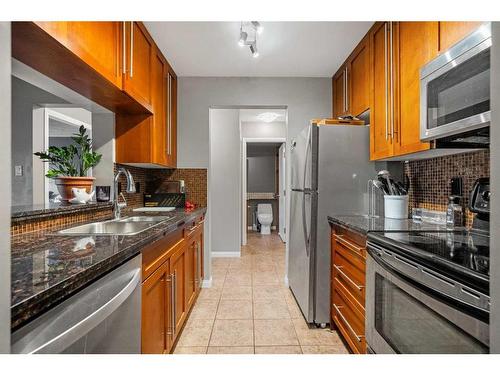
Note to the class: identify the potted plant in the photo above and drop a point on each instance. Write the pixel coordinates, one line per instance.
(69, 164)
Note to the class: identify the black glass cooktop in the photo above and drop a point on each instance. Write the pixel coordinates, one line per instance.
(464, 256)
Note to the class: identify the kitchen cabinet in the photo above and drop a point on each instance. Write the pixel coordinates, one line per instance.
(348, 286)
(339, 84)
(351, 84)
(155, 311)
(194, 263)
(171, 119)
(178, 272)
(138, 58)
(399, 50)
(450, 32)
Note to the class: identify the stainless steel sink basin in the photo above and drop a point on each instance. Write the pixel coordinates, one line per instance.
(125, 227)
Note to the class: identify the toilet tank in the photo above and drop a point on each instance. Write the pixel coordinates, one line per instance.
(264, 208)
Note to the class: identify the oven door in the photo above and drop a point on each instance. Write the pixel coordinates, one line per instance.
(403, 318)
(455, 89)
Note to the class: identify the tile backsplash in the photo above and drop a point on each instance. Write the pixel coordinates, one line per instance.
(151, 180)
(430, 179)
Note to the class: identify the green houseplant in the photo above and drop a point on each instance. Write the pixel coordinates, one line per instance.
(69, 165)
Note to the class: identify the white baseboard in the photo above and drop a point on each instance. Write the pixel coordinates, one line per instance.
(207, 283)
(225, 254)
(286, 281)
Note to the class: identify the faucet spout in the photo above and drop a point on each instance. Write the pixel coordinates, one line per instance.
(130, 189)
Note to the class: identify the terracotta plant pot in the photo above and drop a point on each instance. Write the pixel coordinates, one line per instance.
(65, 184)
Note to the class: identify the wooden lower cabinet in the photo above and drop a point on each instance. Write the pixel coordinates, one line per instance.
(348, 265)
(171, 270)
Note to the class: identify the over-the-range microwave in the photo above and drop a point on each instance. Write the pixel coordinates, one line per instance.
(455, 94)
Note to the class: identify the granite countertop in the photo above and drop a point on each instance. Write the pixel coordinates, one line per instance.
(41, 210)
(47, 267)
(364, 224)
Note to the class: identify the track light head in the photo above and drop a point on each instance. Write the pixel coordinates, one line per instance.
(243, 38)
(253, 49)
(258, 27)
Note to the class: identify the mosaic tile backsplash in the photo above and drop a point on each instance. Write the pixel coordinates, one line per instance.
(430, 179)
(150, 180)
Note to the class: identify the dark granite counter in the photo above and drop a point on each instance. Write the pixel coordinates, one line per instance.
(47, 267)
(37, 211)
(364, 224)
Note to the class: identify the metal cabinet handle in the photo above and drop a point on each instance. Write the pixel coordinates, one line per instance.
(391, 77)
(84, 326)
(169, 109)
(346, 97)
(170, 328)
(347, 278)
(124, 47)
(337, 309)
(175, 302)
(131, 49)
(349, 245)
(386, 88)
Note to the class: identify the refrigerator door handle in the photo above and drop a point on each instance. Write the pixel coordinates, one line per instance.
(307, 191)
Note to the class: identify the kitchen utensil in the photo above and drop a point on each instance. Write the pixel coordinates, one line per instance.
(385, 175)
(401, 188)
(380, 186)
(385, 186)
(395, 187)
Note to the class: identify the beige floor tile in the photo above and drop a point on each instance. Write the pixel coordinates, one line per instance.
(196, 333)
(323, 349)
(265, 279)
(271, 309)
(219, 272)
(190, 350)
(234, 309)
(239, 279)
(210, 294)
(220, 262)
(237, 292)
(294, 309)
(204, 310)
(315, 336)
(275, 332)
(267, 292)
(232, 333)
(230, 350)
(278, 350)
(263, 267)
(218, 281)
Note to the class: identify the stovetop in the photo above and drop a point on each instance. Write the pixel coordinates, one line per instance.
(462, 255)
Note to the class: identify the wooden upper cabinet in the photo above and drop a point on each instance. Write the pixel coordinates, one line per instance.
(171, 119)
(155, 312)
(450, 32)
(381, 145)
(358, 87)
(97, 43)
(417, 44)
(339, 83)
(139, 54)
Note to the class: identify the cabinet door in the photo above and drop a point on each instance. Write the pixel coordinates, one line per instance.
(178, 272)
(139, 54)
(359, 79)
(452, 32)
(339, 88)
(96, 43)
(417, 44)
(159, 99)
(198, 241)
(190, 273)
(155, 317)
(381, 145)
(171, 118)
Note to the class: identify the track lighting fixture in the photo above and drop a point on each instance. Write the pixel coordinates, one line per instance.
(248, 36)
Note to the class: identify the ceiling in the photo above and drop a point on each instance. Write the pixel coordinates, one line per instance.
(287, 49)
(252, 115)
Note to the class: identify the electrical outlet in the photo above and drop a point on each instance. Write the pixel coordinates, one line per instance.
(18, 170)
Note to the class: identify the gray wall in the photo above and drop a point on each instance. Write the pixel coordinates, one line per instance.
(103, 134)
(5, 186)
(263, 129)
(224, 181)
(495, 186)
(24, 97)
(261, 168)
(305, 98)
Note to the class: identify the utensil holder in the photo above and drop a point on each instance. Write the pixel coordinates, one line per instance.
(396, 206)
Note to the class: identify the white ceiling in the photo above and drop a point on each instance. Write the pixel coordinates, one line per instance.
(287, 49)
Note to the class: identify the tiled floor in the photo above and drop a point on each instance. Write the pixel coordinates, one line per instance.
(248, 309)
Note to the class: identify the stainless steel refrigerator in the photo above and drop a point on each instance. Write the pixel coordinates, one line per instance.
(330, 169)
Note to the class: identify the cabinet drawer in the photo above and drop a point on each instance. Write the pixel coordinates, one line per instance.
(346, 256)
(349, 322)
(355, 251)
(155, 254)
(352, 280)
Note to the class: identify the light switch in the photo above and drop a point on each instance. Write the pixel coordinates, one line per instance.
(18, 170)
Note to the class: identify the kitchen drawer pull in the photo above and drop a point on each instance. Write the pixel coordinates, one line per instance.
(170, 331)
(347, 278)
(131, 49)
(337, 309)
(348, 244)
(124, 47)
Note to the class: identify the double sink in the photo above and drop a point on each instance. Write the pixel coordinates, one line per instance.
(127, 226)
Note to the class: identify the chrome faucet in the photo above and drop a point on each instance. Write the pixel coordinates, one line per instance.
(117, 209)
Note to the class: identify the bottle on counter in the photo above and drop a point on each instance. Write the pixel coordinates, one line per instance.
(454, 212)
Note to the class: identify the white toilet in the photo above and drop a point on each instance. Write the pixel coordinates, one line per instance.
(265, 217)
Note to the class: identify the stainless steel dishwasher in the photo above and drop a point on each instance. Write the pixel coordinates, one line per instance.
(104, 317)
